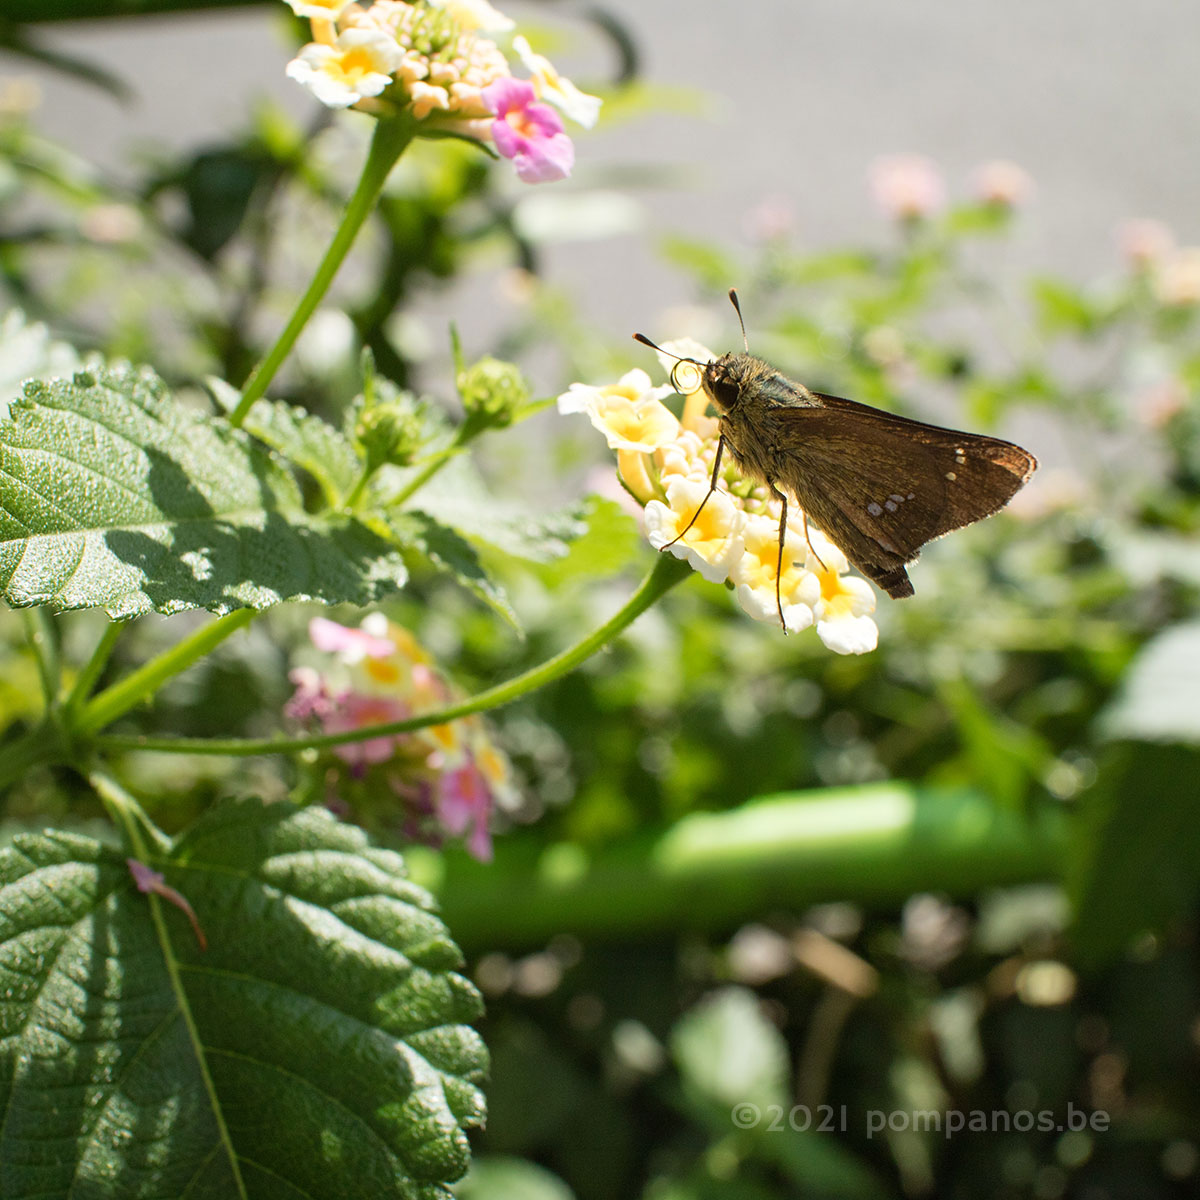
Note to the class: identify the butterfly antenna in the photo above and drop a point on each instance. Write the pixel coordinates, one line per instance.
(679, 361)
(737, 308)
(641, 337)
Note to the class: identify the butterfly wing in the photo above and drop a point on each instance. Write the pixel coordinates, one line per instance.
(880, 486)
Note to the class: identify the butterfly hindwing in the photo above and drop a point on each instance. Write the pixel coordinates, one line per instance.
(898, 483)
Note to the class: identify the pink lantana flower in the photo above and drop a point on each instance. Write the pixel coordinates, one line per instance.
(356, 711)
(370, 640)
(529, 133)
(465, 801)
(428, 783)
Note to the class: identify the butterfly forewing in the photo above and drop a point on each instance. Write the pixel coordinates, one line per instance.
(897, 484)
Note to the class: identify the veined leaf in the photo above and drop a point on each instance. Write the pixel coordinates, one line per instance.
(457, 497)
(114, 494)
(449, 551)
(302, 438)
(318, 1047)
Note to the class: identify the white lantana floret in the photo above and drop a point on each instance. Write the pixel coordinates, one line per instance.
(359, 64)
(713, 543)
(557, 89)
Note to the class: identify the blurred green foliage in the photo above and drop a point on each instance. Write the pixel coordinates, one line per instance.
(1042, 682)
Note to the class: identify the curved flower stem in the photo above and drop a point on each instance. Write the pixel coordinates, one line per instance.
(425, 472)
(86, 679)
(117, 700)
(666, 573)
(44, 639)
(391, 137)
(141, 838)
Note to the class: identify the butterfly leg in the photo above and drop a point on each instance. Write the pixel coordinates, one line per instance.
(810, 545)
(779, 562)
(712, 487)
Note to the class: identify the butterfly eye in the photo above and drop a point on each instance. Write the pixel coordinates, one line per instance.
(724, 393)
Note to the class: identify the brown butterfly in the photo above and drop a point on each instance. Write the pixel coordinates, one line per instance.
(877, 485)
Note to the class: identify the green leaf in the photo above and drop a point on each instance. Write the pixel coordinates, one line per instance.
(28, 352)
(977, 218)
(303, 439)
(833, 266)
(218, 186)
(114, 494)
(712, 267)
(450, 552)
(456, 496)
(610, 544)
(317, 1048)
(1136, 861)
(728, 1053)
(1064, 309)
(1157, 699)
(735, 1068)
(1007, 757)
(499, 1177)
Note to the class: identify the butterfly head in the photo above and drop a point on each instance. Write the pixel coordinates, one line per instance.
(726, 377)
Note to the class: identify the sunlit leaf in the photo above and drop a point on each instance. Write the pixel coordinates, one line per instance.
(114, 494)
(318, 1047)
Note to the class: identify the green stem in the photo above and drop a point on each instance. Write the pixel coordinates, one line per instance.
(125, 813)
(667, 572)
(875, 844)
(425, 472)
(41, 745)
(43, 639)
(356, 492)
(388, 142)
(95, 667)
(147, 679)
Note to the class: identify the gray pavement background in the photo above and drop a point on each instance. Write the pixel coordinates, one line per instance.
(1099, 101)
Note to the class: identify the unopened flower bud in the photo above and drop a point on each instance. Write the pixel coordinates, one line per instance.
(491, 392)
(389, 433)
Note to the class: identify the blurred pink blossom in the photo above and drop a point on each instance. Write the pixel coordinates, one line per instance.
(1158, 403)
(1177, 280)
(466, 801)
(772, 218)
(1002, 183)
(907, 187)
(1144, 241)
(312, 699)
(351, 644)
(355, 711)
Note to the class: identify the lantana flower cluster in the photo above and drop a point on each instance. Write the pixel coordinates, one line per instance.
(442, 60)
(666, 462)
(437, 781)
